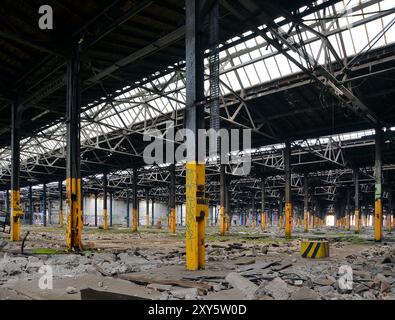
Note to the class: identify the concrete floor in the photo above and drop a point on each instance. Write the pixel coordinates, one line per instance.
(118, 261)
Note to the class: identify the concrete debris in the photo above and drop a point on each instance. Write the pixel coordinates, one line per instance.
(239, 282)
(304, 294)
(185, 293)
(160, 287)
(276, 288)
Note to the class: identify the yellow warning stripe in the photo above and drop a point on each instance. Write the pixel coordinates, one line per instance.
(312, 249)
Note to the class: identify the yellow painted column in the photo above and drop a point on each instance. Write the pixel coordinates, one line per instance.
(196, 210)
(378, 220)
(348, 218)
(227, 221)
(16, 214)
(172, 220)
(306, 221)
(135, 202)
(263, 221)
(74, 217)
(357, 227)
(134, 222)
(280, 222)
(222, 222)
(105, 223)
(288, 220)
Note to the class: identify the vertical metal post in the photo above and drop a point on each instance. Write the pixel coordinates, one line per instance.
(348, 209)
(73, 174)
(111, 201)
(16, 210)
(196, 201)
(280, 211)
(135, 202)
(172, 200)
(253, 210)
(127, 209)
(227, 203)
(288, 203)
(95, 209)
(378, 206)
(44, 199)
(152, 211)
(147, 207)
(389, 211)
(181, 216)
(105, 222)
(222, 195)
(7, 204)
(60, 186)
(356, 199)
(263, 199)
(30, 204)
(49, 210)
(306, 204)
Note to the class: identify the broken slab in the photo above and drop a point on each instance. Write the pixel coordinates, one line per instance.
(304, 294)
(239, 282)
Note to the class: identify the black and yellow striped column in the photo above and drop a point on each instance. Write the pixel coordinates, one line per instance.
(135, 201)
(378, 206)
(196, 202)
(105, 210)
(60, 186)
(306, 204)
(222, 213)
(288, 203)
(73, 175)
(263, 199)
(356, 200)
(172, 200)
(16, 210)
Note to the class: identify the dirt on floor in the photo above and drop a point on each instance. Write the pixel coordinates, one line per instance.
(248, 263)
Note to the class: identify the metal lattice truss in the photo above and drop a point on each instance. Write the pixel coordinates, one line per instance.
(308, 41)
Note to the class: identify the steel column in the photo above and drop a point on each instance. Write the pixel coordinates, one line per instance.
(152, 212)
(348, 209)
(127, 208)
(73, 174)
(44, 199)
(288, 202)
(95, 209)
(196, 202)
(135, 202)
(16, 210)
(60, 186)
(111, 199)
(147, 208)
(30, 204)
(306, 204)
(389, 211)
(356, 200)
(222, 195)
(263, 199)
(172, 200)
(105, 182)
(378, 206)
(227, 203)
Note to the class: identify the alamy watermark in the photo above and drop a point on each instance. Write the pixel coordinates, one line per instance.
(171, 146)
(46, 19)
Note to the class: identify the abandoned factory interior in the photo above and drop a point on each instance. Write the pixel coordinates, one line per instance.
(197, 150)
